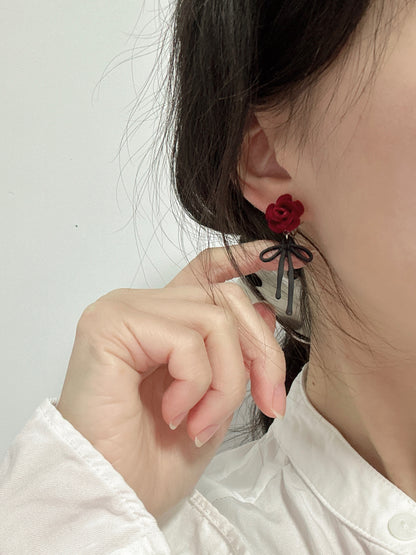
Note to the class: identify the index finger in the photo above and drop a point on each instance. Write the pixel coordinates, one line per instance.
(213, 265)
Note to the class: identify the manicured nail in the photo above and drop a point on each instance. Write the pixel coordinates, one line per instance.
(176, 421)
(279, 401)
(205, 435)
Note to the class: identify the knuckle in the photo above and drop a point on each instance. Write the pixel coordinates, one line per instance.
(88, 316)
(204, 380)
(234, 291)
(110, 295)
(94, 316)
(91, 311)
(223, 318)
(191, 340)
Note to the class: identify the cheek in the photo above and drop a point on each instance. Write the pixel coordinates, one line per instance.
(366, 207)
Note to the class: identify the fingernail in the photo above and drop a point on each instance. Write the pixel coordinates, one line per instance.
(205, 435)
(176, 421)
(279, 401)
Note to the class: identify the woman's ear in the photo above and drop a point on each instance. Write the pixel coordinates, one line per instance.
(261, 177)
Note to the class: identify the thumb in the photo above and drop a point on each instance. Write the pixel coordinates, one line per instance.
(267, 314)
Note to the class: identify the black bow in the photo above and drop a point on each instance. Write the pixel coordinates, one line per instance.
(286, 248)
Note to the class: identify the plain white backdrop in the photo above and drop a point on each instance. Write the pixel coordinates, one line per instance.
(71, 73)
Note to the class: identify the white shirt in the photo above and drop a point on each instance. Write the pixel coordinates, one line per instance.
(299, 490)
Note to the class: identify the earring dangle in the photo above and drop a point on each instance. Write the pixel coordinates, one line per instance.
(283, 216)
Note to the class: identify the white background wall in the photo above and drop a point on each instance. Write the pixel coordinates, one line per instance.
(68, 230)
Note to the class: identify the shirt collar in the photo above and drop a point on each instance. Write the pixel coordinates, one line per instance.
(344, 481)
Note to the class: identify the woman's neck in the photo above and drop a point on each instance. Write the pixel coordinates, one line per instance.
(373, 407)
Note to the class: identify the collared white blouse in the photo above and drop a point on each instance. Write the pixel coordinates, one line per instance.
(299, 490)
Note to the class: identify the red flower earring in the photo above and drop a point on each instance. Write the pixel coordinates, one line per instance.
(283, 216)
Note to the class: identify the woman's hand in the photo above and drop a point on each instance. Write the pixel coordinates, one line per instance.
(141, 357)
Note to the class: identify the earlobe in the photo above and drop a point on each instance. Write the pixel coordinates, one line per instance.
(261, 177)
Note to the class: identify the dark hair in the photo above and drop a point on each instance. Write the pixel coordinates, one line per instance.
(230, 58)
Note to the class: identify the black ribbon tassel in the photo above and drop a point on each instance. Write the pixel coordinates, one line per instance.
(286, 248)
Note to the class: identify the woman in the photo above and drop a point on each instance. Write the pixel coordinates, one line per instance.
(311, 99)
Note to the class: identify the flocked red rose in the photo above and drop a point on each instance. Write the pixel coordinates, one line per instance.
(284, 214)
